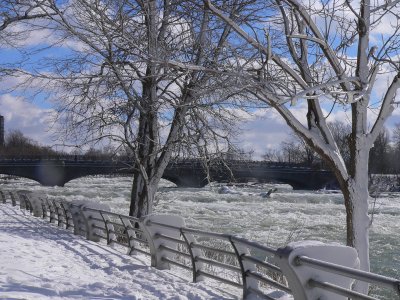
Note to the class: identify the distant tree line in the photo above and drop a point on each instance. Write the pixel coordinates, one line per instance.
(16, 144)
(384, 157)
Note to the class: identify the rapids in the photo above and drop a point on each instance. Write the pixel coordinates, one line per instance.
(286, 216)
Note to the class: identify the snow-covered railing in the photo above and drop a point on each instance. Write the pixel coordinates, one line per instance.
(343, 271)
(113, 228)
(226, 258)
(307, 270)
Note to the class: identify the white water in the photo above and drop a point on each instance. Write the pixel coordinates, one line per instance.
(294, 215)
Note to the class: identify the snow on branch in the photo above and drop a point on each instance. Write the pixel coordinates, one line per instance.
(387, 6)
(257, 45)
(351, 96)
(310, 38)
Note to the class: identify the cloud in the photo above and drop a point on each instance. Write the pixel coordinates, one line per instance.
(266, 131)
(33, 121)
(38, 34)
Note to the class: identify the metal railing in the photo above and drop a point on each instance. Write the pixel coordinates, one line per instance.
(228, 259)
(382, 281)
(225, 258)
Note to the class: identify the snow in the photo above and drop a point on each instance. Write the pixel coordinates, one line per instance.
(300, 275)
(41, 261)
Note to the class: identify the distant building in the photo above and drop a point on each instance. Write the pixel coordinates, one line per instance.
(2, 131)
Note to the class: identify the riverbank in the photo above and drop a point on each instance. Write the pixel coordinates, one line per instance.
(380, 183)
(41, 261)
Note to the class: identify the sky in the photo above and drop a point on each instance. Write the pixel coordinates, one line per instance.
(31, 115)
(267, 130)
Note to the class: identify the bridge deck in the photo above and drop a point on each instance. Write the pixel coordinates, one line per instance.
(189, 173)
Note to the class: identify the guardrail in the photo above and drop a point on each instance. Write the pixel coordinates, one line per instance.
(192, 162)
(305, 270)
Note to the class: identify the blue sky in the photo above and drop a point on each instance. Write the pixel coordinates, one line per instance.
(31, 115)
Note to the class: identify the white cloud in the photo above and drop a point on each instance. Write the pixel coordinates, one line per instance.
(385, 26)
(266, 131)
(269, 129)
(37, 33)
(31, 120)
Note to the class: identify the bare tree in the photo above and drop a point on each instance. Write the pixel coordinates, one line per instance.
(396, 148)
(125, 78)
(295, 150)
(12, 13)
(273, 155)
(380, 152)
(16, 144)
(320, 52)
(396, 135)
(341, 133)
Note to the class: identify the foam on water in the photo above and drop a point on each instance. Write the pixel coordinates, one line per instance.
(286, 216)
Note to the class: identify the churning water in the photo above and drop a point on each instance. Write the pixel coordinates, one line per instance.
(287, 216)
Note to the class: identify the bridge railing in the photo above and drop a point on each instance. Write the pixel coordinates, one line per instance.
(69, 157)
(307, 270)
(193, 162)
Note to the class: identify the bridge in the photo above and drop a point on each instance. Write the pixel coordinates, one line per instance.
(185, 173)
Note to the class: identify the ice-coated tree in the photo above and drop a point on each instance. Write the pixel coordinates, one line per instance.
(319, 53)
(13, 11)
(136, 72)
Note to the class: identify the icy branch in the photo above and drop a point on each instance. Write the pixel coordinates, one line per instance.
(266, 50)
(386, 108)
(352, 96)
(386, 6)
(310, 38)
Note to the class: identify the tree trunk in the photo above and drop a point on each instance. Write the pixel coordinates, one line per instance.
(142, 195)
(144, 182)
(356, 197)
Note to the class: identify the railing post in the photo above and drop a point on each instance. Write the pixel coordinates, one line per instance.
(36, 204)
(245, 266)
(130, 234)
(299, 276)
(66, 209)
(151, 234)
(111, 237)
(45, 207)
(52, 210)
(2, 196)
(13, 200)
(85, 220)
(24, 201)
(81, 226)
(21, 199)
(194, 253)
(58, 211)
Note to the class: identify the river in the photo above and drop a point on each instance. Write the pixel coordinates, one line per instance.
(287, 216)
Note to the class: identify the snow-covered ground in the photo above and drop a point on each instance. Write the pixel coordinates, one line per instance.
(41, 261)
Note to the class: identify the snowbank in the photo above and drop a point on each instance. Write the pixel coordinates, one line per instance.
(41, 261)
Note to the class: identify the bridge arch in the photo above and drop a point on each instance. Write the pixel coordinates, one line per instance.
(20, 175)
(59, 172)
